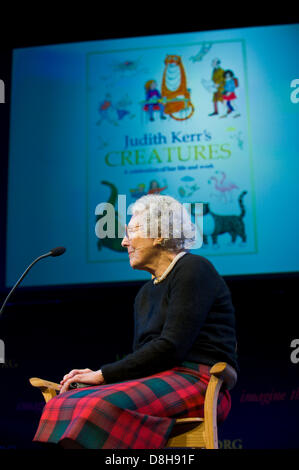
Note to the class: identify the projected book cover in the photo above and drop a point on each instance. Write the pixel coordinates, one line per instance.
(207, 117)
(172, 120)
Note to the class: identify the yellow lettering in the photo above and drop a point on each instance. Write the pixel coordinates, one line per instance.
(227, 444)
(107, 158)
(180, 155)
(198, 151)
(227, 150)
(184, 153)
(138, 156)
(237, 444)
(213, 151)
(169, 156)
(125, 157)
(154, 155)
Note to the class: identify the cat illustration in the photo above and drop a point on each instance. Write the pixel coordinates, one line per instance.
(113, 244)
(215, 224)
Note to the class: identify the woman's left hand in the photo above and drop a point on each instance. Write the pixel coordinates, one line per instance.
(86, 376)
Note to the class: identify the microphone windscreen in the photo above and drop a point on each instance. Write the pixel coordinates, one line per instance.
(58, 251)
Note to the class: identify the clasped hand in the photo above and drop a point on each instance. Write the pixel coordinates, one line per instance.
(86, 376)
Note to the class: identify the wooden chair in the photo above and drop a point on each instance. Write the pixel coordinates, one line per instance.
(187, 432)
(203, 432)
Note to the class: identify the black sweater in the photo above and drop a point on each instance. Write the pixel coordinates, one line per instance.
(188, 316)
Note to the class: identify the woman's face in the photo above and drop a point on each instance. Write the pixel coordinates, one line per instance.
(141, 249)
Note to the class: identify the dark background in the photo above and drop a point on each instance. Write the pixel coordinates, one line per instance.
(49, 331)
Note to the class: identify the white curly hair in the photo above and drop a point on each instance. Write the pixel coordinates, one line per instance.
(165, 217)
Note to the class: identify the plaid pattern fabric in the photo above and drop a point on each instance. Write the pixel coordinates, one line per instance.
(136, 414)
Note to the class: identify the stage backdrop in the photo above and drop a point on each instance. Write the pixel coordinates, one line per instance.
(204, 117)
(87, 126)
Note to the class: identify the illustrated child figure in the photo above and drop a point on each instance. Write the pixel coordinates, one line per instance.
(154, 187)
(229, 92)
(218, 80)
(152, 97)
(136, 193)
(113, 113)
(106, 111)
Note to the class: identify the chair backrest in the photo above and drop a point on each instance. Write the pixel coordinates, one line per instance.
(230, 377)
(202, 432)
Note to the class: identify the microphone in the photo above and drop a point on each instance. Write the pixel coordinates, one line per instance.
(54, 252)
(57, 251)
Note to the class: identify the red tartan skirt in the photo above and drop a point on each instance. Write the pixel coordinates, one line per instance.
(135, 414)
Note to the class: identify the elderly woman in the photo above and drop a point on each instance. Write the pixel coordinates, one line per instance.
(184, 323)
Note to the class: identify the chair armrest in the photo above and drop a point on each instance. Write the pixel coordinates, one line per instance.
(36, 382)
(225, 372)
(47, 388)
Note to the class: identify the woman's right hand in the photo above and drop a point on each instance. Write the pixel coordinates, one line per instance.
(72, 374)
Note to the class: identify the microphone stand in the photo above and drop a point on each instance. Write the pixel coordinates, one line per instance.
(22, 277)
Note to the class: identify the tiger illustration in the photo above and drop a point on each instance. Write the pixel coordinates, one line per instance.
(174, 89)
